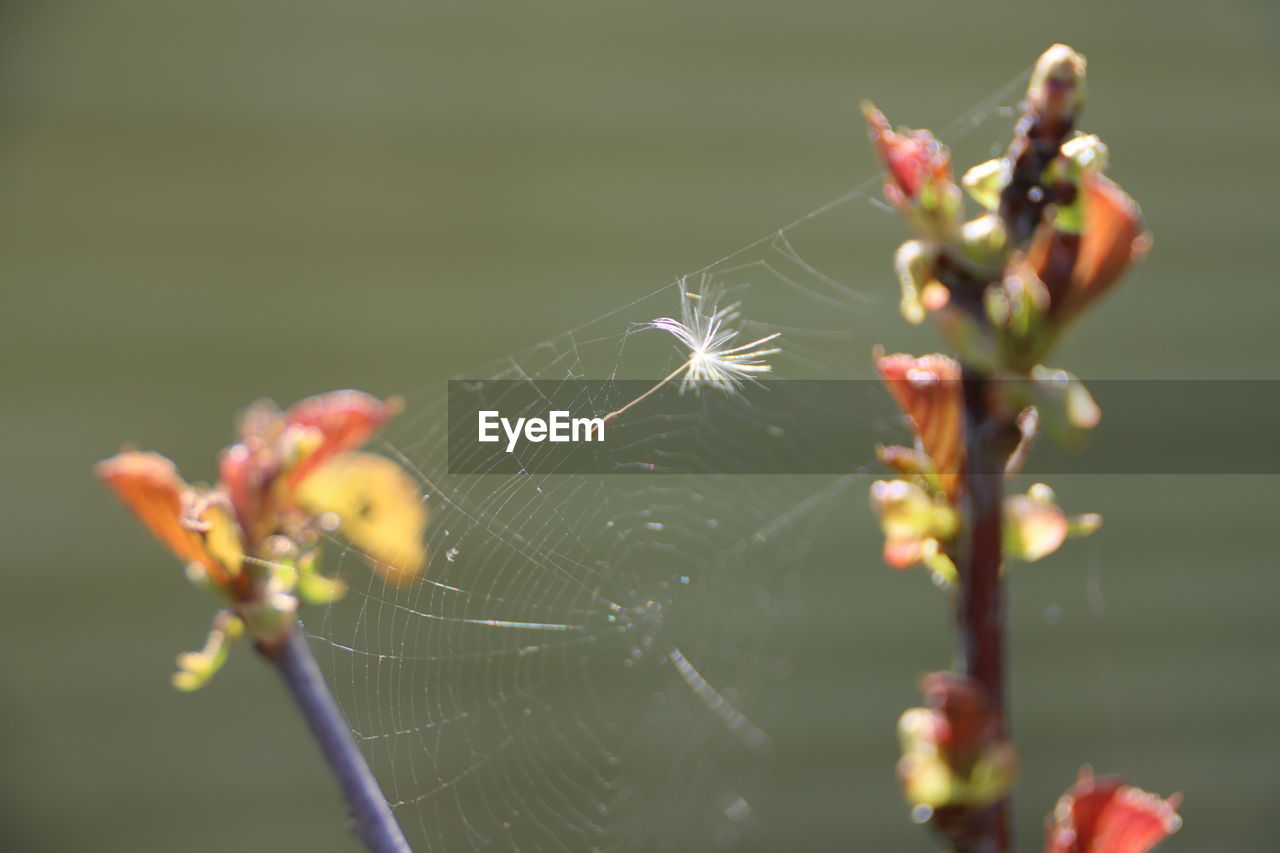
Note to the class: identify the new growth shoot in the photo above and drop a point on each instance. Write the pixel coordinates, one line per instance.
(1054, 235)
(253, 541)
(705, 331)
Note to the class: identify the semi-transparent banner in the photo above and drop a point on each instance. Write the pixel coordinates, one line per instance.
(833, 426)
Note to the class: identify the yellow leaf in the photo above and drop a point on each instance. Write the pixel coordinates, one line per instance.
(222, 538)
(378, 506)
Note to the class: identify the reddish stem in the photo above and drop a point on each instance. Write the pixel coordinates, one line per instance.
(981, 603)
(982, 611)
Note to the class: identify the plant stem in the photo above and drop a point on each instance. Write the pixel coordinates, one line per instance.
(982, 611)
(374, 822)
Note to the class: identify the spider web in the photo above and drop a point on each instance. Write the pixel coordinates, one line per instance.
(590, 663)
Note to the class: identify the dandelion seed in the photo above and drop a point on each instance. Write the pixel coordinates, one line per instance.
(705, 329)
(712, 358)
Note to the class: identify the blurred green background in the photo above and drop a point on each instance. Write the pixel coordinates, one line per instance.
(202, 203)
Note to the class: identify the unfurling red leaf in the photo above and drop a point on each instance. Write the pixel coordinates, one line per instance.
(1101, 814)
(927, 389)
(1079, 266)
(342, 421)
(197, 530)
